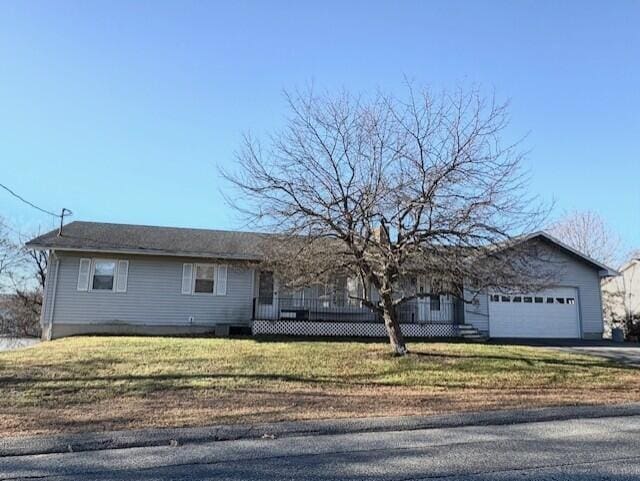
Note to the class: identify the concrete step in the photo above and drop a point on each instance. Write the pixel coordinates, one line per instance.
(470, 333)
(475, 339)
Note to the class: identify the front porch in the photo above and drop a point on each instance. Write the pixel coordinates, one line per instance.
(426, 316)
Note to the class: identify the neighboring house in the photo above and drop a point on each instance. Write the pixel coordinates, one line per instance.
(114, 278)
(622, 293)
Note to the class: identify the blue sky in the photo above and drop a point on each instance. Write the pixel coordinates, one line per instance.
(121, 111)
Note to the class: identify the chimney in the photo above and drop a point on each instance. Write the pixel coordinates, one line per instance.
(381, 235)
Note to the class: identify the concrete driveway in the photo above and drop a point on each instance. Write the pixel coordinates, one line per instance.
(627, 352)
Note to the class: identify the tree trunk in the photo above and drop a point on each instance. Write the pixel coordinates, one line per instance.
(396, 339)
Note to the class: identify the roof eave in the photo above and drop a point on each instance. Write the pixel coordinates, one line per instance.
(605, 271)
(146, 252)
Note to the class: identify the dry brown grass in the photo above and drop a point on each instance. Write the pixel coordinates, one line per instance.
(106, 383)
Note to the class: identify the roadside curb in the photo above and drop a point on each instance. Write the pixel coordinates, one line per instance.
(63, 443)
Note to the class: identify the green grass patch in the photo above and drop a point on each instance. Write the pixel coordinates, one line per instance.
(88, 383)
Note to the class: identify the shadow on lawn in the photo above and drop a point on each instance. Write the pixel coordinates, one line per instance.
(180, 381)
(72, 372)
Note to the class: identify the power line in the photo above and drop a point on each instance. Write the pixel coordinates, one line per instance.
(31, 203)
(64, 212)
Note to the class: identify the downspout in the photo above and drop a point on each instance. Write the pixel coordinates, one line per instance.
(53, 299)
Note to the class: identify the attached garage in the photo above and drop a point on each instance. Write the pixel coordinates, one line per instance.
(570, 308)
(551, 313)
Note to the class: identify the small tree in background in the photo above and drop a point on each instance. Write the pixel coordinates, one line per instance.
(589, 233)
(383, 188)
(22, 278)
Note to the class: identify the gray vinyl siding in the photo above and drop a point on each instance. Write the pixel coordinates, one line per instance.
(153, 295)
(477, 314)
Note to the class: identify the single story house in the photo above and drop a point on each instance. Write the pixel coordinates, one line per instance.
(132, 279)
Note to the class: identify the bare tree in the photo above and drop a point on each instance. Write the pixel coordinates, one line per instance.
(384, 188)
(8, 255)
(28, 283)
(589, 233)
(22, 279)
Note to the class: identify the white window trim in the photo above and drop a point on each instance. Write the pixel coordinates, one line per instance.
(84, 286)
(125, 275)
(189, 291)
(217, 287)
(195, 275)
(93, 270)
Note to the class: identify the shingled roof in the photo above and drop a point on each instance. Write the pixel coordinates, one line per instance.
(141, 239)
(175, 241)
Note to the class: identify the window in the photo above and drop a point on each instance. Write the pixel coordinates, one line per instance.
(340, 291)
(538, 300)
(549, 300)
(104, 273)
(517, 299)
(495, 298)
(265, 288)
(571, 300)
(204, 277)
(109, 275)
(291, 296)
(528, 300)
(559, 300)
(506, 299)
(434, 302)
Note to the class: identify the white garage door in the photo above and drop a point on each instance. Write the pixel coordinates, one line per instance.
(552, 313)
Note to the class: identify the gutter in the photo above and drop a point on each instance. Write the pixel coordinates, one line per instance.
(203, 255)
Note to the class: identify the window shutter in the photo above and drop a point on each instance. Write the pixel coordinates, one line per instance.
(187, 278)
(123, 273)
(83, 274)
(221, 280)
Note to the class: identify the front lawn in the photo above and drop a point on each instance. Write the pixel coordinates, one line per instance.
(97, 383)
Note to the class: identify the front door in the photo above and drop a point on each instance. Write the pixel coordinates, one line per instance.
(267, 302)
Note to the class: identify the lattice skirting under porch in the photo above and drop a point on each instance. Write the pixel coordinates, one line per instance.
(347, 329)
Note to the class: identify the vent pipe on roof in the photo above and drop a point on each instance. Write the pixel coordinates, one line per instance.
(64, 212)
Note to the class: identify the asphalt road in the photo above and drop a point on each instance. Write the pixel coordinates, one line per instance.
(587, 449)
